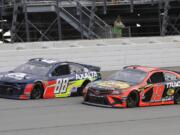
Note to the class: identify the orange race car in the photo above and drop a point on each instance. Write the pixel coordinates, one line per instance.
(135, 86)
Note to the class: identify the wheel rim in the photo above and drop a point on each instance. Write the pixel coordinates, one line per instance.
(36, 93)
(132, 100)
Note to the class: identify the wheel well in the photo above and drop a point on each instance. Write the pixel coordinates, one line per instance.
(85, 83)
(39, 83)
(135, 93)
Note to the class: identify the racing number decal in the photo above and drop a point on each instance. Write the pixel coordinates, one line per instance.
(61, 85)
(158, 93)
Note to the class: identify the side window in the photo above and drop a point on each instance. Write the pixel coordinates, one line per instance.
(61, 70)
(156, 78)
(169, 76)
(77, 68)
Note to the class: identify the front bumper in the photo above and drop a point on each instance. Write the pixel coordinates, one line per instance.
(11, 91)
(110, 101)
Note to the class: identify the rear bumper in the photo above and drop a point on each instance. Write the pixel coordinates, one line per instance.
(110, 101)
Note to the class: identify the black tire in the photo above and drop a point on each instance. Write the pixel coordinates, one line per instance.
(132, 100)
(80, 89)
(177, 97)
(37, 92)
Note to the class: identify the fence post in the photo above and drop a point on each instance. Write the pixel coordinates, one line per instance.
(58, 20)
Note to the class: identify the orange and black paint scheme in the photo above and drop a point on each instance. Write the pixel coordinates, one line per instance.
(156, 87)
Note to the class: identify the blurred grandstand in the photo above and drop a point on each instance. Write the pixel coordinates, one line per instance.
(50, 20)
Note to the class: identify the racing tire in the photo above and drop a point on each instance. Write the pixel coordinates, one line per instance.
(132, 100)
(37, 91)
(177, 97)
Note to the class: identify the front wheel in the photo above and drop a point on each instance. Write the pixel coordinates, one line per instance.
(177, 97)
(132, 100)
(37, 91)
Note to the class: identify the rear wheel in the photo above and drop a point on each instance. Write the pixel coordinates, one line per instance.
(37, 91)
(177, 97)
(132, 99)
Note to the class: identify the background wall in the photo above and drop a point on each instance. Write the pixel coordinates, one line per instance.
(111, 54)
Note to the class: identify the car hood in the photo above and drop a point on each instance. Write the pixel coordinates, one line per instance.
(17, 77)
(110, 85)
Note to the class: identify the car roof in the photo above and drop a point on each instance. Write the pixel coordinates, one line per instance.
(142, 68)
(46, 61)
(50, 61)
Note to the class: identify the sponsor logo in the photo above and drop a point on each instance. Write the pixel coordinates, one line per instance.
(74, 89)
(49, 61)
(86, 75)
(167, 99)
(17, 76)
(170, 92)
(173, 84)
(112, 84)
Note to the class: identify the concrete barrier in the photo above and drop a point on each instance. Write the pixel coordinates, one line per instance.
(110, 54)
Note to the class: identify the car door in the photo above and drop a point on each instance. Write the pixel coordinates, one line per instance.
(169, 92)
(62, 76)
(79, 72)
(153, 94)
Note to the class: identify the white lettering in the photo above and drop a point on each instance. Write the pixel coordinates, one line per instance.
(86, 75)
(173, 84)
(61, 85)
(49, 61)
(17, 76)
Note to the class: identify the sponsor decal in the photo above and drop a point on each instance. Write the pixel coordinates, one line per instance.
(167, 98)
(119, 85)
(173, 84)
(49, 61)
(145, 87)
(61, 85)
(17, 76)
(74, 89)
(170, 92)
(86, 75)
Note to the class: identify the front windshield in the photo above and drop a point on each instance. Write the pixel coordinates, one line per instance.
(129, 75)
(34, 69)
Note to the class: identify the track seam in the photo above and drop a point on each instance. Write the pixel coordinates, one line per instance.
(88, 124)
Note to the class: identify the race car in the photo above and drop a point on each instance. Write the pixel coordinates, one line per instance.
(135, 86)
(47, 78)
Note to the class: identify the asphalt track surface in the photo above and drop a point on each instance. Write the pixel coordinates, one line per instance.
(67, 116)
